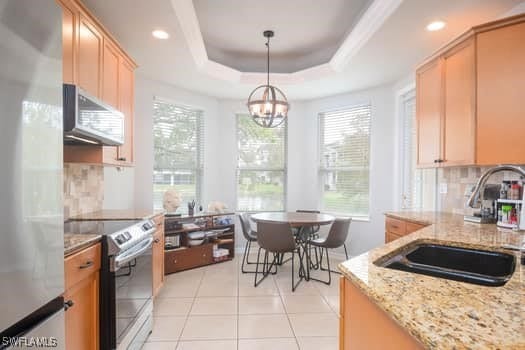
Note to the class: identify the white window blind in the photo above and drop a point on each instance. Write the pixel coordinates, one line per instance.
(344, 155)
(178, 133)
(261, 166)
(411, 180)
(418, 185)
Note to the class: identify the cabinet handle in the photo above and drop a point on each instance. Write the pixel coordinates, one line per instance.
(68, 304)
(121, 159)
(395, 226)
(156, 240)
(86, 265)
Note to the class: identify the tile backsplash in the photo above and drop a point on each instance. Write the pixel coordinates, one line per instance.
(83, 189)
(458, 180)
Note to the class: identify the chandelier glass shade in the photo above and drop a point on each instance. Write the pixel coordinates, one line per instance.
(267, 104)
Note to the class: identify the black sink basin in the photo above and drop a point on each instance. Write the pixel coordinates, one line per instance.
(459, 264)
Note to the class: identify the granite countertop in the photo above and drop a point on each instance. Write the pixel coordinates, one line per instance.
(74, 242)
(112, 214)
(440, 313)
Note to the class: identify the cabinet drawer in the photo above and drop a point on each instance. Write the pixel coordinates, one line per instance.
(413, 227)
(82, 264)
(189, 258)
(395, 226)
(389, 237)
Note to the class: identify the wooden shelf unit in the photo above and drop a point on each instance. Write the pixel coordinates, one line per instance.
(188, 257)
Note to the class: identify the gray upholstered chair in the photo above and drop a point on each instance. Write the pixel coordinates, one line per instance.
(276, 239)
(336, 238)
(250, 236)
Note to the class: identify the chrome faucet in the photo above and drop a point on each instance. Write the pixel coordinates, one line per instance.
(476, 198)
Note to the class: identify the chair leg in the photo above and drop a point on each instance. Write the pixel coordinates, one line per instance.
(346, 252)
(323, 269)
(245, 258)
(266, 268)
(294, 285)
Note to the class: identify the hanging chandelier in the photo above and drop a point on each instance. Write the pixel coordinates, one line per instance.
(267, 104)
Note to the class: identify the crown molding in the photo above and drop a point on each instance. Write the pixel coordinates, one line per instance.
(371, 20)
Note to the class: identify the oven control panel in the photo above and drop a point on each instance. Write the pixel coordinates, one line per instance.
(132, 235)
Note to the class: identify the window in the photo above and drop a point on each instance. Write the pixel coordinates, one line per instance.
(178, 148)
(344, 156)
(261, 166)
(418, 186)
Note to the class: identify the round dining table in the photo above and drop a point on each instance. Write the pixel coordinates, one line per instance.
(295, 219)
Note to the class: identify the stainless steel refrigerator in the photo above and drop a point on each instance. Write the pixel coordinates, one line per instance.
(31, 185)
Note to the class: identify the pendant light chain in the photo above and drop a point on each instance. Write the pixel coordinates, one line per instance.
(268, 61)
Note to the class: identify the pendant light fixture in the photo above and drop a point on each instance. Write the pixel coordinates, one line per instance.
(267, 104)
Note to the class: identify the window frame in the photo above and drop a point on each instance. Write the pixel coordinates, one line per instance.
(238, 168)
(322, 170)
(198, 169)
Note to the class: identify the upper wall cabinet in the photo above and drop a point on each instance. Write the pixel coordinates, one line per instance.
(93, 60)
(469, 98)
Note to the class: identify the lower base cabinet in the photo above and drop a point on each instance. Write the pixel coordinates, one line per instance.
(158, 255)
(363, 325)
(82, 274)
(396, 228)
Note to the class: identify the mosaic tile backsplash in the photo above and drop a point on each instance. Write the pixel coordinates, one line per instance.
(83, 189)
(458, 180)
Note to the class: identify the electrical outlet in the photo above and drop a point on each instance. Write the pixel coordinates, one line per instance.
(443, 188)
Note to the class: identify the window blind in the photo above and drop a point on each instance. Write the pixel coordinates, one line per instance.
(261, 166)
(344, 157)
(411, 180)
(418, 186)
(178, 133)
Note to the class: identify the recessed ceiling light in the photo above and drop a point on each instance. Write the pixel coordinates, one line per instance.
(436, 25)
(160, 34)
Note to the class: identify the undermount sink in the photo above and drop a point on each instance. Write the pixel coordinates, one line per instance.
(459, 264)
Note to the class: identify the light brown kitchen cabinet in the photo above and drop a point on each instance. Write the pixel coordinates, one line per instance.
(89, 56)
(469, 98)
(110, 74)
(69, 33)
(82, 273)
(501, 95)
(396, 228)
(93, 60)
(459, 119)
(126, 100)
(158, 255)
(363, 325)
(429, 111)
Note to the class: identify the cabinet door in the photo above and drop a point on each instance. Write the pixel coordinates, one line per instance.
(429, 111)
(126, 101)
(82, 318)
(501, 94)
(69, 30)
(158, 259)
(110, 66)
(89, 56)
(459, 120)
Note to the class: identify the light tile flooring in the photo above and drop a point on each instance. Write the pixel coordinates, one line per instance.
(217, 307)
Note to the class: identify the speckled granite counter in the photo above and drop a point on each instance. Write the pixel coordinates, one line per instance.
(131, 214)
(74, 242)
(440, 313)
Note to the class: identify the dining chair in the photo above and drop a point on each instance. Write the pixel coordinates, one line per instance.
(336, 238)
(251, 236)
(277, 239)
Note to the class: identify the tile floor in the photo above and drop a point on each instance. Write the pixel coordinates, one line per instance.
(217, 307)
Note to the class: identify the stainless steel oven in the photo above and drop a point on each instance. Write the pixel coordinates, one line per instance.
(126, 285)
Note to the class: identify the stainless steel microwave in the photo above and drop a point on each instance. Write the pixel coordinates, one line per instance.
(90, 121)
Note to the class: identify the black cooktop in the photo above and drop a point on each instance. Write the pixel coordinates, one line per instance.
(102, 227)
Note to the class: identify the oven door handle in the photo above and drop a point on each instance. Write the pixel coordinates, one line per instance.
(139, 249)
